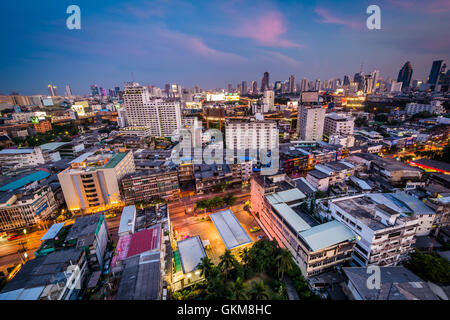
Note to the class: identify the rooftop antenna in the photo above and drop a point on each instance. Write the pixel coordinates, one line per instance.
(132, 76)
(361, 70)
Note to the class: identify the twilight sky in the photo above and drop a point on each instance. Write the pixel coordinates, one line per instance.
(211, 42)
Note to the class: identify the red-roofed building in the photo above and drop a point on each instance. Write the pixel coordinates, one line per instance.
(145, 240)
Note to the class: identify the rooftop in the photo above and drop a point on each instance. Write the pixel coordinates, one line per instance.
(397, 283)
(145, 240)
(230, 230)
(19, 183)
(326, 235)
(191, 252)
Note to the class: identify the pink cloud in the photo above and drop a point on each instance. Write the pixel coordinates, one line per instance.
(266, 30)
(327, 17)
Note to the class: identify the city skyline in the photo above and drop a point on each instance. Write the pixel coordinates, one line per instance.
(158, 42)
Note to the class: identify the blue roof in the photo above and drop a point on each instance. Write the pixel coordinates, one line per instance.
(326, 235)
(53, 231)
(19, 183)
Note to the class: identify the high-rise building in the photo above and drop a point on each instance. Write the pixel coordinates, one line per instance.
(269, 100)
(359, 79)
(163, 117)
(278, 87)
(68, 91)
(55, 91)
(91, 183)
(230, 87)
(292, 83)
(317, 85)
(310, 122)
(376, 78)
(245, 135)
(244, 89)
(254, 87)
(335, 123)
(346, 80)
(405, 75)
(437, 74)
(50, 90)
(94, 90)
(304, 85)
(265, 82)
(116, 91)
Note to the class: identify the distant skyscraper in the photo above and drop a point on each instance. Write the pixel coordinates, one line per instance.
(405, 75)
(304, 85)
(359, 79)
(50, 90)
(346, 80)
(94, 90)
(102, 92)
(239, 88)
(244, 87)
(292, 83)
(230, 87)
(265, 82)
(254, 87)
(278, 87)
(376, 78)
(437, 73)
(55, 91)
(317, 85)
(116, 91)
(68, 91)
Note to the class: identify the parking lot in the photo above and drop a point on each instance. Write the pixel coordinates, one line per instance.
(189, 225)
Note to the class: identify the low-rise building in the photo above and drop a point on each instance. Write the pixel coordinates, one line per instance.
(150, 184)
(384, 236)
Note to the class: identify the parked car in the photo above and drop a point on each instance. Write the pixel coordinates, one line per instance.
(255, 229)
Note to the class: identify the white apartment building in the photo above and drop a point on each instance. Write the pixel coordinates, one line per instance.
(435, 107)
(162, 116)
(91, 183)
(269, 100)
(335, 123)
(384, 236)
(23, 157)
(310, 122)
(253, 135)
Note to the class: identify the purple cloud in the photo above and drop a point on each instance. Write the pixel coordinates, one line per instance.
(267, 30)
(420, 6)
(327, 17)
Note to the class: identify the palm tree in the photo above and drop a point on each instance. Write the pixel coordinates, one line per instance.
(239, 289)
(218, 289)
(284, 262)
(227, 261)
(205, 266)
(259, 291)
(245, 258)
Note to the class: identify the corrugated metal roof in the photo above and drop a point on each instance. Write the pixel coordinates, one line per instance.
(327, 234)
(191, 252)
(19, 183)
(291, 217)
(230, 230)
(53, 231)
(127, 219)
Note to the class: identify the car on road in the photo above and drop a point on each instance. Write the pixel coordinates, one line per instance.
(4, 235)
(14, 237)
(255, 229)
(110, 215)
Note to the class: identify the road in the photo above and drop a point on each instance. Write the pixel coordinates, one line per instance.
(8, 249)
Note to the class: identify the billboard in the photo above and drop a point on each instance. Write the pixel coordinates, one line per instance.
(47, 102)
(79, 109)
(310, 97)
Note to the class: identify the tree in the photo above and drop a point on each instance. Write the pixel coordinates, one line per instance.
(227, 262)
(430, 267)
(284, 262)
(205, 266)
(229, 200)
(259, 291)
(239, 290)
(245, 258)
(218, 289)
